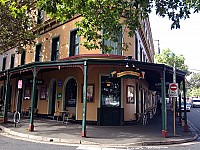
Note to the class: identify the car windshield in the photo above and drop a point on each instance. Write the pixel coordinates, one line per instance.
(196, 100)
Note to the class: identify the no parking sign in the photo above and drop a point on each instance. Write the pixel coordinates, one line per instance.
(173, 89)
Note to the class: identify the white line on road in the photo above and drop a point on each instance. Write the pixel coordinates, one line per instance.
(128, 148)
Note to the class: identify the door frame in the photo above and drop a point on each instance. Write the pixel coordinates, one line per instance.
(50, 96)
(64, 94)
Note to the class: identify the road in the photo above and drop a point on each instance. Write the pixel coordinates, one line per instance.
(7, 142)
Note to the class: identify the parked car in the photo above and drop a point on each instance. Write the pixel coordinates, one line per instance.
(188, 106)
(196, 103)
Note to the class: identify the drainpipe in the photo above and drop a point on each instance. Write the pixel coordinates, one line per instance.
(7, 91)
(164, 112)
(185, 113)
(84, 99)
(31, 126)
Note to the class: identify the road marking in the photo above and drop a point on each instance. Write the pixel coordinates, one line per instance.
(197, 110)
(127, 148)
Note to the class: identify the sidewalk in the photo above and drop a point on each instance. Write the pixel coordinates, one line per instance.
(149, 134)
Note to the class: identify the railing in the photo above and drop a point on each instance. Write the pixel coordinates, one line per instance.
(148, 114)
(142, 118)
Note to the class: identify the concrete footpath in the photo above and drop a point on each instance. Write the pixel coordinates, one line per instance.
(131, 135)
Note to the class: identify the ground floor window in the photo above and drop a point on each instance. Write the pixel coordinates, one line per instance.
(71, 93)
(110, 91)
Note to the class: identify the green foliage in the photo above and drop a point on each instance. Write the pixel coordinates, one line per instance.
(169, 58)
(105, 14)
(195, 80)
(15, 25)
(97, 15)
(194, 85)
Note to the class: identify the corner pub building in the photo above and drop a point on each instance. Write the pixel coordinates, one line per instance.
(59, 74)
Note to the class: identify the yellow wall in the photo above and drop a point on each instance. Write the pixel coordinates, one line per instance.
(129, 108)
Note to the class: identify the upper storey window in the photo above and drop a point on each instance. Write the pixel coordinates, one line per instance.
(12, 61)
(74, 43)
(117, 46)
(40, 16)
(23, 57)
(4, 64)
(38, 52)
(55, 48)
(136, 47)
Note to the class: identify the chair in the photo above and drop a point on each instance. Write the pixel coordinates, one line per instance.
(67, 116)
(56, 115)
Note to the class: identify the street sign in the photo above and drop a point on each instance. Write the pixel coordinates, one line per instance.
(173, 89)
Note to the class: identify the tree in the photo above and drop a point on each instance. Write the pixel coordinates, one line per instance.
(195, 80)
(194, 85)
(15, 25)
(105, 15)
(169, 58)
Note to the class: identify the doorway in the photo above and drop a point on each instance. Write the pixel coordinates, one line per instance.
(71, 95)
(110, 101)
(52, 98)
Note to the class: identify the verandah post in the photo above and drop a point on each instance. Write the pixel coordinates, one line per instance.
(84, 99)
(7, 93)
(31, 125)
(164, 111)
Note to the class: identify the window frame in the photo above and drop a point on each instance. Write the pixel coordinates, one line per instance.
(72, 44)
(24, 57)
(12, 60)
(4, 63)
(116, 50)
(55, 52)
(38, 54)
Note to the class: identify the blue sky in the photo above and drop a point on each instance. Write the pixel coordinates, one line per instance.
(185, 41)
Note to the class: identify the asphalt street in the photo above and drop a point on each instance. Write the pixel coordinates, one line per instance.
(7, 142)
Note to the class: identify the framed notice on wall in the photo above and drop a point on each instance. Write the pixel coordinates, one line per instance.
(27, 92)
(90, 93)
(130, 97)
(43, 92)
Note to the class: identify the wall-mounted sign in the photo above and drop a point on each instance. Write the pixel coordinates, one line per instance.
(19, 84)
(59, 82)
(38, 81)
(59, 96)
(136, 74)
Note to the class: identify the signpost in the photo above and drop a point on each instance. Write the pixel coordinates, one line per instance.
(173, 89)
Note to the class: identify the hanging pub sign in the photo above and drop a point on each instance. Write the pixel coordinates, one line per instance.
(128, 74)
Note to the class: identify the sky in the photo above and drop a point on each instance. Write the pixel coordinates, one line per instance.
(185, 41)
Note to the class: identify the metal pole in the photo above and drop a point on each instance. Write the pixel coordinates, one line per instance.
(174, 98)
(84, 99)
(180, 113)
(185, 113)
(7, 92)
(164, 114)
(31, 126)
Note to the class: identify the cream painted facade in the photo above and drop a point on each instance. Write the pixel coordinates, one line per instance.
(61, 76)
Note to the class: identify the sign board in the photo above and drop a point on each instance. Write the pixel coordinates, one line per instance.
(38, 81)
(173, 89)
(122, 73)
(19, 84)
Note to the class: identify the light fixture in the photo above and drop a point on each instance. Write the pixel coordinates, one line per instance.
(137, 69)
(127, 65)
(133, 66)
(129, 58)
